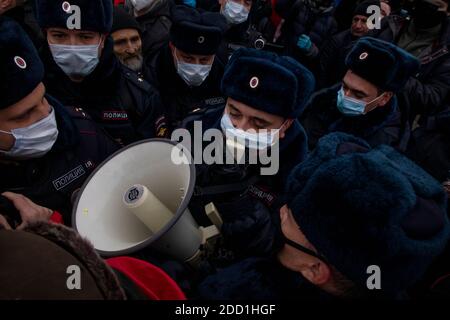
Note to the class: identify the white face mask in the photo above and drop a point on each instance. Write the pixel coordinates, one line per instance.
(261, 140)
(193, 74)
(33, 141)
(140, 5)
(76, 61)
(234, 12)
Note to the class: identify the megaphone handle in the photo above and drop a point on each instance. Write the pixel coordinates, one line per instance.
(210, 235)
(214, 215)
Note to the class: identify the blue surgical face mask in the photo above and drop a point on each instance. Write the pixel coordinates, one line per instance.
(76, 61)
(352, 107)
(193, 74)
(234, 12)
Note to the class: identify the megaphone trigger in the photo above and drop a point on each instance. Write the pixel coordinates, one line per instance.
(214, 215)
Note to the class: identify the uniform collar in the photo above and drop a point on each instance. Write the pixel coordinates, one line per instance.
(68, 135)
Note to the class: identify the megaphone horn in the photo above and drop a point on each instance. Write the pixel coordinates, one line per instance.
(138, 198)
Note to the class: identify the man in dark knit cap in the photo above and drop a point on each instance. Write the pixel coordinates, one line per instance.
(187, 71)
(359, 223)
(365, 103)
(46, 150)
(82, 70)
(126, 34)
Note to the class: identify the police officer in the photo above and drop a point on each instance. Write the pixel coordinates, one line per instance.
(359, 223)
(265, 95)
(82, 71)
(187, 71)
(365, 104)
(46, 150)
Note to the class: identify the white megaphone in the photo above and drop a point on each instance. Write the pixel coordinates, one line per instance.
(138, 198)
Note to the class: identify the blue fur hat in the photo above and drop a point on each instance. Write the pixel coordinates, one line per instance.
(95, 15)
(382, 63)
(197, 32)
(360, 207)
(21, 69)
(265, 81)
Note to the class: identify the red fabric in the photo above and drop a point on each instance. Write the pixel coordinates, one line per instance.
(117, 2)
(153, 282)
(275, 18)
(56, 218)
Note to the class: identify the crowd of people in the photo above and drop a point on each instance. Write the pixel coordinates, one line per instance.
(354, 94)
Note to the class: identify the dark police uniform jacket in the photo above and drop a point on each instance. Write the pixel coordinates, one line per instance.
(51, 180)
(123, 103)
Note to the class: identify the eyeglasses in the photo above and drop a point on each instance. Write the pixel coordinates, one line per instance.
(304, 249)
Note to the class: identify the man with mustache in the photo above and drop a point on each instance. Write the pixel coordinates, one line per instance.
(126, 34)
